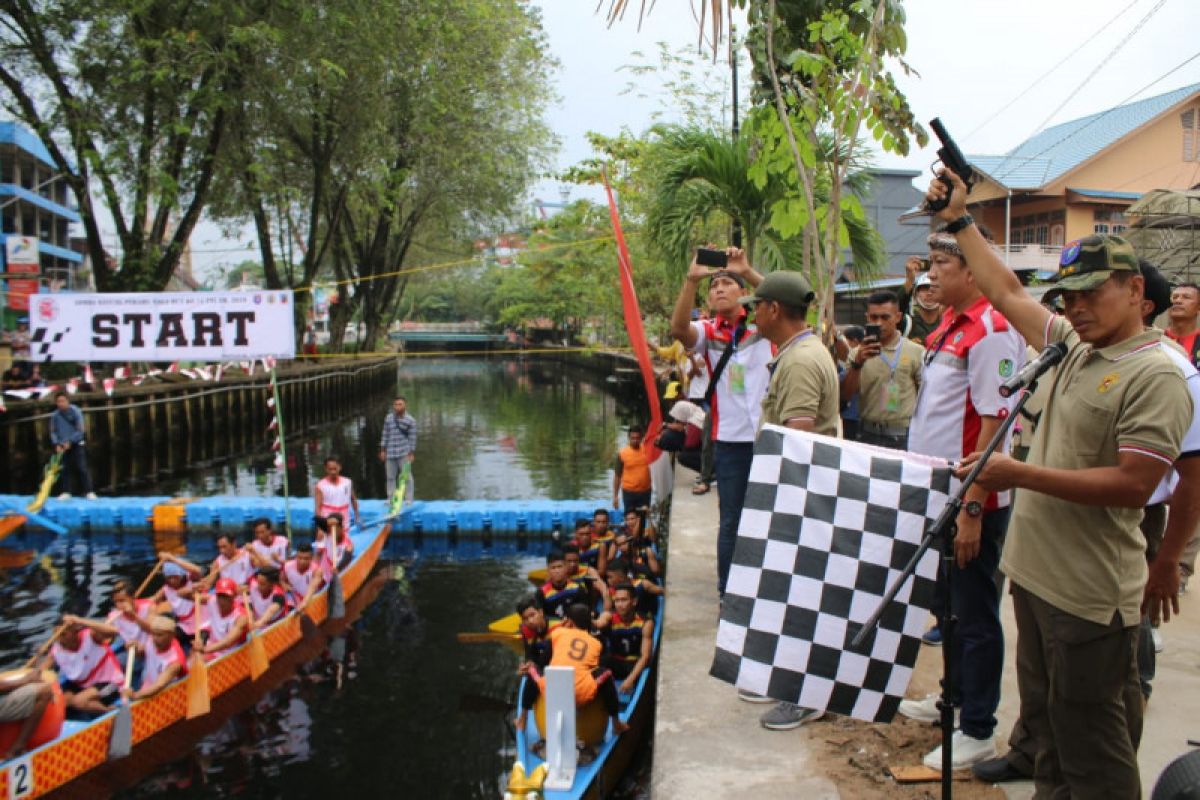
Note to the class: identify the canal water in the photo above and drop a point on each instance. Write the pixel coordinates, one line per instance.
(415, 713)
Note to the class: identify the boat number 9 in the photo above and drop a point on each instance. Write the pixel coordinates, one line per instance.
(577, 650)
(20, 777)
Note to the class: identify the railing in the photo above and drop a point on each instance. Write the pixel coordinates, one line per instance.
(1042, 257)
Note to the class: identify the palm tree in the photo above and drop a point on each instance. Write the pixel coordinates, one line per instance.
(699, 174)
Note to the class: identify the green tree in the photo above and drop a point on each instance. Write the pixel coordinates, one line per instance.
(130, 98)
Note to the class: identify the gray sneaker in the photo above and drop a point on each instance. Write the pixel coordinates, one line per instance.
(786, 716)
(753, 697)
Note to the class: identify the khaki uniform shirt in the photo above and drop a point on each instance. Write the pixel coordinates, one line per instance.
(885, 396)
(1090, 561)
(803, 384)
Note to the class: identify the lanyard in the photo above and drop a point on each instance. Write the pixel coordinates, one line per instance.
(891, 365)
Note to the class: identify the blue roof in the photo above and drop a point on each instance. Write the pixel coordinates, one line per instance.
(15, 133)
(1104, 194)
(1058, 150)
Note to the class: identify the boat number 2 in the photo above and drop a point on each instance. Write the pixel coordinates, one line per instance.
(20, 777)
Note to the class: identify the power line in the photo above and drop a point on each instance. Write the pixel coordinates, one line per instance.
(1050, 71)
(1103, 63)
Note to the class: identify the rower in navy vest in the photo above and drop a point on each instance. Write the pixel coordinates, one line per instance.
(630, 638)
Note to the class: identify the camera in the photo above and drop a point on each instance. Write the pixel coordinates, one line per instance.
(711, 258)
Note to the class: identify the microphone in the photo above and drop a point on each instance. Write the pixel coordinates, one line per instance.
(1034, 369)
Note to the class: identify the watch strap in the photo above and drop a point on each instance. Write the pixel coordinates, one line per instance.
(960, 223)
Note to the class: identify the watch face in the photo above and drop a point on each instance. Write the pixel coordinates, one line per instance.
(974, 508)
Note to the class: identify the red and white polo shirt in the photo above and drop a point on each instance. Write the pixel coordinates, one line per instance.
(737, 402)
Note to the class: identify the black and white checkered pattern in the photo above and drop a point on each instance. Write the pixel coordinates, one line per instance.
(43, 340)
(826, 528)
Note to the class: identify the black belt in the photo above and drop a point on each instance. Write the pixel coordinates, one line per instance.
(882, 430)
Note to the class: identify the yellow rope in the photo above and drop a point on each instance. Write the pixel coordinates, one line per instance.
(451, 264)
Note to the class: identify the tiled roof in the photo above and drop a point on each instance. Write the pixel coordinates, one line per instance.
(1059, 149)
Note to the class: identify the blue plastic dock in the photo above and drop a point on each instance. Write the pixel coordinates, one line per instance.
(236, 513)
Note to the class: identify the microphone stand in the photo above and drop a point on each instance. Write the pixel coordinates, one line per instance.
(943, 531)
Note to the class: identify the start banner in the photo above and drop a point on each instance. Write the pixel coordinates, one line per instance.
(162, 326)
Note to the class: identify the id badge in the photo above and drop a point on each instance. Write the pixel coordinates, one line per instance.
(891, 397)
(737, 378)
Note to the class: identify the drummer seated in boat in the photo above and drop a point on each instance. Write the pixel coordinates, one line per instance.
(23, 698)
(126, 613)
(301, 578)
(334, 533)
(232, 562)
(164, 662)
(268, 600)
(561, 590)
(591, 552)
(573, 645)
(267, 548)
(225, 620)
(630, 638)
(178, 596)
(88, 669)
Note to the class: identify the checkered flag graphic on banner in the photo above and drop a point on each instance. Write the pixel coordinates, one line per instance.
(43, 340)
(827, 526)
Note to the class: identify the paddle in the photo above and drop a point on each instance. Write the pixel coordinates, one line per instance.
(487, 636)
(161, 560)
(120, 743)
(48, 477)
(337, 600)
(198, 701)
(41, 651)
(257, 652)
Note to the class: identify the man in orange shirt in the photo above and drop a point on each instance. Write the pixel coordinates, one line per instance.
(572, 645)
(632, 473)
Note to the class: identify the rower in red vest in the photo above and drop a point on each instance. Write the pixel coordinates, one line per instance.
(267, 548)
(232, 562)
(126, 613)
(267, 598)
(301, 577)
(91, 674)
(164, 659)
(226, 620)
(334, 547)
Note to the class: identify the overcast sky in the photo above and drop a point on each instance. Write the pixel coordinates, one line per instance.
(974, 57)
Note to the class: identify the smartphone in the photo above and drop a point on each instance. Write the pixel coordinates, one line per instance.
(874, 332)
(711, 258)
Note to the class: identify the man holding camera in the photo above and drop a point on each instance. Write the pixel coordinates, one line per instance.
(885, 372)
(736, 355)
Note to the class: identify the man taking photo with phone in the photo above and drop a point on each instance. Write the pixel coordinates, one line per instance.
(885, 373)
(736, 356)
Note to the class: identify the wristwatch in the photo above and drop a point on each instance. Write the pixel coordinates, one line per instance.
(974, 508)
(962, 222)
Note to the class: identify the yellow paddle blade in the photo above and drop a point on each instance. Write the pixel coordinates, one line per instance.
(258, 657)
(198, 701)
(510, 624)
(48, 478)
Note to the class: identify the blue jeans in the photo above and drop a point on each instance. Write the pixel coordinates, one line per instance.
(732, 469)
(978, 655)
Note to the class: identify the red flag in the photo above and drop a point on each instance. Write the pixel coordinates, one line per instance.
(633, 324)
(109, 384)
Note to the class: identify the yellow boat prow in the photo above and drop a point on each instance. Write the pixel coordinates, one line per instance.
(538, 576)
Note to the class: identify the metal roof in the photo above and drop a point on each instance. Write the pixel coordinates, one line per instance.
(1057, 150)
(15, 133)
(1103, 194)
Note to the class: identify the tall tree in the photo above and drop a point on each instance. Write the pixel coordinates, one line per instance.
(131, 99)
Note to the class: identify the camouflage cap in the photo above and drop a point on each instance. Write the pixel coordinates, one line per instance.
(1088, 262)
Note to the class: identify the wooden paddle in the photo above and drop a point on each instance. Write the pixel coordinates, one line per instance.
(161, 560)
(488, 636)
(48, 478)
(257, 652)
(198, 701)
(41, 651)
(120, 742)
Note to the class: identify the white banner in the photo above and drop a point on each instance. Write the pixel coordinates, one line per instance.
(162, 326)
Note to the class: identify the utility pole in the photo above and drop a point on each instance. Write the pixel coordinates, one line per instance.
(736, 233)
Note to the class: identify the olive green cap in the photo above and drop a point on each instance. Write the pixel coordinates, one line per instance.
(789, 288)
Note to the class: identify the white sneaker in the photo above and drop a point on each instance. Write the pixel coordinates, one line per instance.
(967, 751)
(752, 697)
(92, 496)
(65, 496)
(1158, 640)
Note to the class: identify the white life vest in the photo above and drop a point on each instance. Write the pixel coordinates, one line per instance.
(239, 568)
(219, 627)
(335, 497)
(157, 662)
(184, 608)
(130, 632)
(276, 551)
(92, 664)
(297, 580)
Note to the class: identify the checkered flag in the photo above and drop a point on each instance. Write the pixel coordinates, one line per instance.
(827, 526)
(42, 340)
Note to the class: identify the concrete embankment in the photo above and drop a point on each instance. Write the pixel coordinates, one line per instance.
(708, 744)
